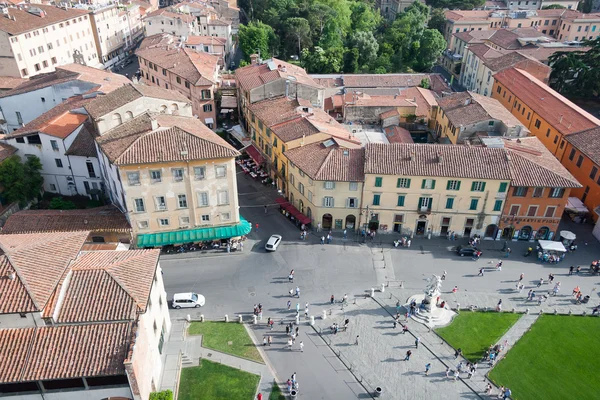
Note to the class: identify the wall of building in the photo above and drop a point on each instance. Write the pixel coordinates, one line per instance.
(108, 34)
(370, 114)
(27, 320)
(459, 215)
(112, 180)
(579, 30)
(161, 24)
(190, 187)
(590, 192)
(92, 394)
(293, 90)
(82, 174)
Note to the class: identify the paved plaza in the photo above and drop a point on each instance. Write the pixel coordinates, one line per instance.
(233, 283)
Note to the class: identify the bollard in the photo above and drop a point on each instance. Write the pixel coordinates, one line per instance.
(382, 287)
(457, 307)
(541, 312)
(188, 318)
(226, 318)
(324, 314)
(201, 317)
(570, 312)
(254, 319)
(372, 292)
(240, 319)
(513, 310)
(527, 311)
(312, 320)
(555, 311)
(584, 313)
(297, 320)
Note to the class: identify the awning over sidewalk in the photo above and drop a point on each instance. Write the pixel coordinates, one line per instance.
(573, 203)
(254, 154)
(194, 235)
(303, 219)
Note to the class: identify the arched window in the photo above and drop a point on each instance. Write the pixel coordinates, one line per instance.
(174, 107)
(117, 120)
(128, 115)
(163, 109)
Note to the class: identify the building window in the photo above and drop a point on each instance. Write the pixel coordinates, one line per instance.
(225, 216)
(328, 201)
(138, 205)
(178, 79)
(161, 203)
(376, 199)
(220, 171)
(177, 174)
(403, 183)
(143, 224)
(550, 212)
(155, 176)
(514, 210)
(184, 221)
(187, 84)
(352, 202)
(182, 201)
(572, 154)
(428, 184)
(207, 107)
(328, 184)
(593, 172)
(538, 123)
(222, 197)
(532, 211)
(301, 188)
(424, 204)
(498, 205)
(205, 218)
(449, 203)
(133, 178)
(453, 185)
(503, 187)
(401, 199)
(164, 72)
(474, 203)
(477, 186)
(557, 193)
(310, 196)
(163, 221)
(579, 160)
(199, 173)
(353, 186)
(206, 94)
(59, 163)
(520, 191)
(54, 145)
(378, 181)
(203, 199)
(538, 192)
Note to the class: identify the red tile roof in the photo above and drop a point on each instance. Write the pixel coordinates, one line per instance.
(466, 108)
(195, 40)
(395, 134)
(587, 142)
(253, 76)
(6, 150)
(329, 163)
(106, 219)
(62, 352)
(10, 82)
(558, 111)
(25, 21)
(84, 144)
(164, 12)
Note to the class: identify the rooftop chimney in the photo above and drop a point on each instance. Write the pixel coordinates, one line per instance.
(254, 59)
(11, 275)
(154, 124)
(440, 158)
(412, 156)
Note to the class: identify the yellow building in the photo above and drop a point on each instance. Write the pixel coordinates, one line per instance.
(417, 189)
(326, 182)
(281, 124)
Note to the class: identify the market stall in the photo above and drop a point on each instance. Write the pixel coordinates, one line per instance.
(551, 251)
(567, 238)
(576, 210)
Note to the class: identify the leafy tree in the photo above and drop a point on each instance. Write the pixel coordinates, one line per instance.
(437, 20)
(58, 203)
(299, 30)
(577, 72)
(351, 61)
(367, 47)
(164, 395)
(554, 7)
(257, 36)
(21, 181)
(431, 46)
(364, 17)
(565, 67)
(318, 16)
(425, 84)
(322, 61)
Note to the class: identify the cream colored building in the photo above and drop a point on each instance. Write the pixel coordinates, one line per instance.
(418, 189)
(326, 183)
(37, 39)
(165, 21)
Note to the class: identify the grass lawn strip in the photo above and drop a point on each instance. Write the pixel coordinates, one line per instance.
(556, 359)
(226, 337)
(473, 332)
(214, 381)
(276, 393)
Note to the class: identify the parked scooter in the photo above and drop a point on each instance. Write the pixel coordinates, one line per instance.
(528, 252)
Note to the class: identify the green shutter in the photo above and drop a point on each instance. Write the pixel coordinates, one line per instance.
(498, 205)
(400, 201)
(449, 203)
(408, 184)
(474, 204)
(458, 185)
(483, 187)
(423, 184)
(448, 185)
(398, 183)
(503, 187)
(473, 186)
(420, 203)
(433, 184)
(376, 199)
(378, 181)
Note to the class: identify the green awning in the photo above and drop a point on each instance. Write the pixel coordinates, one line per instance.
(194, 235)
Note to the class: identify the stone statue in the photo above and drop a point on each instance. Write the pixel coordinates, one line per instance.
(434, 287)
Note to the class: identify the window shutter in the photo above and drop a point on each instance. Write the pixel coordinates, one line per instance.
(325, 185)
(448, 185)
(398, 183)
(458, 185)
(332, 202)
(423, 183)
(473, 186)
(347, 203)
(400, 201)
(408, 183)
(420, 203)
(324, 202)
(483, 187)
(433, 183)
(503, 186)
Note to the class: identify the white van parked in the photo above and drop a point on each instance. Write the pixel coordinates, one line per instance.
(188, 300)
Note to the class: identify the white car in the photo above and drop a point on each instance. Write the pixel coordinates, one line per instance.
(273, 243)
(188, 300)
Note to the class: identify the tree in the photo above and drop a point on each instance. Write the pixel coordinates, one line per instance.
(554, 7)
(364, 17)
(425, 84)
(257, 37)
(318, 15)
(431, 46)
(21, 181)
(299, 30)
(164, 395)
(351, 61)
(565, 67)
(437, 20)
(58, 203)
(321, 61)
(367, 47)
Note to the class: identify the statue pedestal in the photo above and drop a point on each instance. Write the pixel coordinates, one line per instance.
(429, 314)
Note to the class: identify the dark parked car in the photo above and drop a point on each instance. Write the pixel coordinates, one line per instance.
(466, 250)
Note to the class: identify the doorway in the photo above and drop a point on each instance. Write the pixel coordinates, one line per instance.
(421, 225)
(350, 222)
(327, 221)
(491, 231)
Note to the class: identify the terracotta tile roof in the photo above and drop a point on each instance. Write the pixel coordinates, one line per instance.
(25, 21)
(199, 68)
(84, 144)
(328, 82)
(331, 163)
(164, 12)
(39, 260)
(275, 111)
(218, 22)
(106, 219)
(395, 134)
(383, 80)
(558, 111)
(294, 129)
(543, 53)
(389, 114)
(10, 82)
(108, 286)
(135, 142)
(62, 352)
(531, 164)
(505, 39)
(587, 142)
(473, 36)
(457, 161)
(253, 76)
(14, 296)
(485, 52)
(195, 40)
(365, 100)
(466, 108)
(6, 150)
(104, 104)
(510, 59)
(457, 15)
(573, 15)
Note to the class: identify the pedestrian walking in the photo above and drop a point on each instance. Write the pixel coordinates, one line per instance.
(298, 291)
(578, 269)
(529, 294)
(301, 346)
(499, 266)
(319, 227)
(456, 373)
(256, 227)
(521, 286)
(241, 246)
(408, 243)
(444, 275)
(356, 341)
(521, 277)
(408, 354)
(550, 278)
(329, 238)
(322, 239)
(270, 340)
(455, 289)
(457, 353)
(289, 305)
(287, 329)
(480, 272)
(297, 331)
(297, 307)
(291, 278)
(259, 396)
(447, 371)
(488, 389)
(499, 306)
(508, 251)
(332, 299)
(571, 268)
(541, 282)
(289, 385)
(266, 209)
(306, 312)
(417, 341)
(345, 234)
(404, 329)
(427, 368)
(395, 323)
(291, 292)
(264, 341)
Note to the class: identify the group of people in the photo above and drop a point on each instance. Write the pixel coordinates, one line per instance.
(504, 393)
(402, 242)
(292, 383)
(550, 258)
(492, 353)
(334, 328)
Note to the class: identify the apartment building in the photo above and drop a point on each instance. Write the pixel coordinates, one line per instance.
(466, 115)
(41, 93)
(100, 346)
(389, 9)
(36, 39)
(547, 114)
(577, 27)
(215, 46)
(193, 74)
(326, 183)
(165, 21)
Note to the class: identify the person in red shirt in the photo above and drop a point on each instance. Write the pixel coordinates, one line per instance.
(259, 396)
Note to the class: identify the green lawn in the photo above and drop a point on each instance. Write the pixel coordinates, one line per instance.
(556, 359)
(214, 381)
(276, 393)
(227, 337)
(473, 332)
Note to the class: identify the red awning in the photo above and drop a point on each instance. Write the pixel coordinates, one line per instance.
(254, 154)
(282, 202)
(298, 215)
